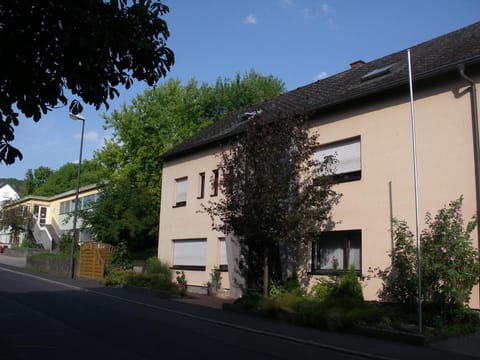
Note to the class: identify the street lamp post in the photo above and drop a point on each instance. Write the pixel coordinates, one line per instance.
(75, 213)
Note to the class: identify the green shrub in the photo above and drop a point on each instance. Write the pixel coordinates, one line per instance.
(181, 281)
(312, 313)
(52, 255)
(153, 265)
(322, 290)
(347, 287)
(118, 277)
(151, 281)
(450, 264)
(291, 285)
(343, 289)
(27, 243)
(248, 301)
(285, 303)
(142, 254)
(121, 257)
(215, 278)
(400, 280)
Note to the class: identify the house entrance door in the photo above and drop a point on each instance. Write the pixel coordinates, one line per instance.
(42, 215)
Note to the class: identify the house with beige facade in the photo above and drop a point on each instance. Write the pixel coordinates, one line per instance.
(48, 218)
(364, 116)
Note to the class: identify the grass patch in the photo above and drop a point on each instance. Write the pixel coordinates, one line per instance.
(346, 313)
(54, 255)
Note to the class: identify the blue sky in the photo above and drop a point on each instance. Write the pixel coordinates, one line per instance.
(298, 41)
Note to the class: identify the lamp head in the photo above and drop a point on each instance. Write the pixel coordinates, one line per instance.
(77, 117)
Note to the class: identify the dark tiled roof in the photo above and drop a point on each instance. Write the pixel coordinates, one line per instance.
(430, 58)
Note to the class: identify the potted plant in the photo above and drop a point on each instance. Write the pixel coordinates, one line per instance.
(215, 282)
(181, 282)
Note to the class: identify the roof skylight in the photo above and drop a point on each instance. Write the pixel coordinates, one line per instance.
(250, 115)
(377, 72)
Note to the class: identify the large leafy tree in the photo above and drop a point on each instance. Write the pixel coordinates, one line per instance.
(88, 47)
(165, 116)
(125, 212)
(35, 178)
(275, 194)
(15, 220)
(46, 182)
(152, 124)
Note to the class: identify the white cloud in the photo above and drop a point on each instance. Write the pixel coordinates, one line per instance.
(287, 3)
(250, 20)
(89, 136)
(320, 76)
(319, 11)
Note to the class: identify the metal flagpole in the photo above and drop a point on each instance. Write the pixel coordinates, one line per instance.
(417, 220)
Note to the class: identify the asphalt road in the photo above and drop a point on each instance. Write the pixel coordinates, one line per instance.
(61, 319)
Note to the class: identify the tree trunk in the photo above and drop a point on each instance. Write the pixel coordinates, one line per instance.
(265, 273)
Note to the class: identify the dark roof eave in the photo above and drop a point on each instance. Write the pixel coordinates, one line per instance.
(360, 95)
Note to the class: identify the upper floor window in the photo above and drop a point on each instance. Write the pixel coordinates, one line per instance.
(201, 185)
(84, 202)
(181, 192)
(215, 182)
(67, 206)
(348, 166)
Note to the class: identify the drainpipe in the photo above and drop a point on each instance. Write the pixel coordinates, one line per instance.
(476, 141)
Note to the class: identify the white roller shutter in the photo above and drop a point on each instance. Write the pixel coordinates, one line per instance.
(347, 154)
(181, 190)
(223, 253)
(189, 252)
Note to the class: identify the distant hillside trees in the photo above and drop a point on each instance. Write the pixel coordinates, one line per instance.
(44, 181)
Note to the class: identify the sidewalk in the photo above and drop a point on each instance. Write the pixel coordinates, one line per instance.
(213, 302)
(468, 345)
(13, 260)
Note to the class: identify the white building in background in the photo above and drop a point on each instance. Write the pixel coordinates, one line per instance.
(7, 194)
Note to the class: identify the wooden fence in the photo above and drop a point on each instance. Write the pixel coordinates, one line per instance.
(93, 258)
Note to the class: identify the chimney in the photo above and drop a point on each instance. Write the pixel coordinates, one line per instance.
(357, 64)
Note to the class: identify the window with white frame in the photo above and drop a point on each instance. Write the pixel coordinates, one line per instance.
(181, 192)
(190, 254)
(223, 263)
(348, 166)
(337, 250)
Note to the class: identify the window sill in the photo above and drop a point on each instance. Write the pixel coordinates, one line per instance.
(180, 204)
(333, 272)
(341, 178)
(189, 267)
(223, 268)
